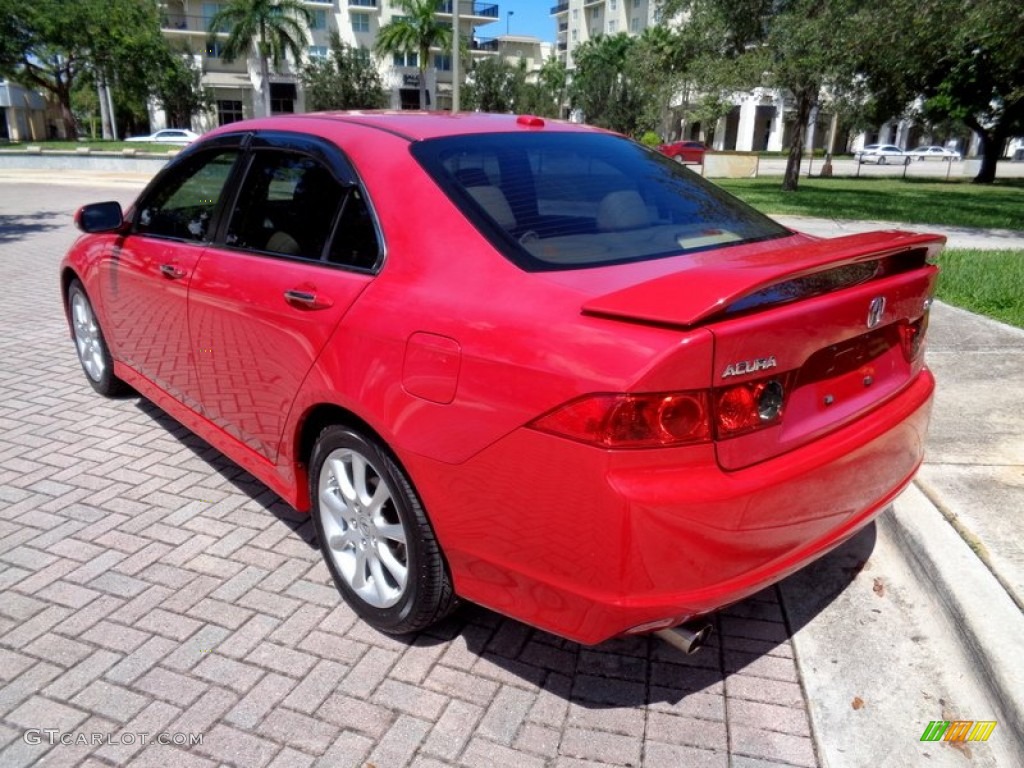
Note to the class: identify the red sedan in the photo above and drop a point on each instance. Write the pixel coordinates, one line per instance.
(684, 151)
(525, 363)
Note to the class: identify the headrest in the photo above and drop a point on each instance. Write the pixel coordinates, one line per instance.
(624, 209)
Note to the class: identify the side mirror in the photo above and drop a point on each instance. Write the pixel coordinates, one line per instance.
(99, 217)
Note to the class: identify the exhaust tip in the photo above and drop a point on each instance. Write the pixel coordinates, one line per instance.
(688, 639)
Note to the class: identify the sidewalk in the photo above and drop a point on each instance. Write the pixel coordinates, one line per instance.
(956, 237)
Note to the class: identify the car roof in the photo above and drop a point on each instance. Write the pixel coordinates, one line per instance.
(412, 125)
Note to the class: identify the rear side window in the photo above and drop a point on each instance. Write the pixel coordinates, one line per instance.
(290, 204)
(573, 200)
(287, 205)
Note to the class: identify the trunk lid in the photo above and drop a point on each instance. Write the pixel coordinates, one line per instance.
(833, 321)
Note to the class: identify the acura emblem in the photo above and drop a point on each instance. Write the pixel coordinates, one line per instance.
(875, 311)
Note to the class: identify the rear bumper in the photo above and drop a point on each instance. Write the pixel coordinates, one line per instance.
(590, 544)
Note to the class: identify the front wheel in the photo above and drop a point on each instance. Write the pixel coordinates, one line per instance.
(881, 160)
(91, 345)
(375, 536)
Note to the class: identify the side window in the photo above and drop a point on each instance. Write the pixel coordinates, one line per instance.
(287, 205)
(355, 240)
(182, 206)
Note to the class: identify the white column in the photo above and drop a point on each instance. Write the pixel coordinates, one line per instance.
(778, 127)
(745, 129)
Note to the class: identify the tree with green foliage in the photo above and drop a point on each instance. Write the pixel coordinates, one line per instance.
(799, 46)
(495, 85)
(345, 79)
(275, 28)
(609, 87)
(416, 31)
(50, 45)
(180, 92)
(553, 82)
(960, 60)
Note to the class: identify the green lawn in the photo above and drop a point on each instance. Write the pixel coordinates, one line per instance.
(912, 201)
(987, 282)
(96, 146)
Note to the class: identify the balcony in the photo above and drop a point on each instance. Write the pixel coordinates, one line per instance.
(179, 22)
(560, 8)
(483, 12)
(485, 45)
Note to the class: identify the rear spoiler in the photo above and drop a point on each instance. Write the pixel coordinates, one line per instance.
(741, 281)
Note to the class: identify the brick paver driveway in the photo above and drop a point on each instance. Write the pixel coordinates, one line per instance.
(152, 590)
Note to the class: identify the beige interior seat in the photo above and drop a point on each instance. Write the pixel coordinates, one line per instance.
(493, 201)
(282, 242)
(624, 209)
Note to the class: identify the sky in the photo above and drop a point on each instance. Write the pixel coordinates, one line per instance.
(529, 17)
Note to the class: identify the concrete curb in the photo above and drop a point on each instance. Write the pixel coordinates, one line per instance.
(991, 626)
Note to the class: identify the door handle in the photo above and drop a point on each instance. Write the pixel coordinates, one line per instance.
(306, 299)
(171, 271)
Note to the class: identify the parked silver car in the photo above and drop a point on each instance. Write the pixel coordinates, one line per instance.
(882, 154)
(934, 153)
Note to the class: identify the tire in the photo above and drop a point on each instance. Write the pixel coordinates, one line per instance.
(90, 344)
(374, 534)
(882, 160)
(679, 159)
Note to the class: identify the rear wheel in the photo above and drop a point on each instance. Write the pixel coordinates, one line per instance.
(881, 160)
(374, 534)
(91, 345)
(679, 159)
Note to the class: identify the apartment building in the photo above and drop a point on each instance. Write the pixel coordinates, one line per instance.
(578, 21)
(235, 85)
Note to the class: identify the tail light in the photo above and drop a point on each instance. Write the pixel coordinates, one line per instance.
(913, 337)
(749, 406)
(657, 420)
(667, 419)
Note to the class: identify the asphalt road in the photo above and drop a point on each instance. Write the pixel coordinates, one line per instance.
(149, 585)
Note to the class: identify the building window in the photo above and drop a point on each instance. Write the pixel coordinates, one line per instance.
(282, 98)
(364, 3)
(318, 51)
(636, 3)
(634, 24)
(575, 14)
(214, 50)
(614, 5)
(319, 20)
(360, 22)
(612, 26)
(442, 62)
(362, 55)
(406, 59)
(575, 35)
(229, 111)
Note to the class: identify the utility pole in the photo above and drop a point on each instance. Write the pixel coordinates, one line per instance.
(456, 45)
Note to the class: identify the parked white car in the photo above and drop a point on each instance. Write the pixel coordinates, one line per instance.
(934, 153)
(168, 136)
(882, 154)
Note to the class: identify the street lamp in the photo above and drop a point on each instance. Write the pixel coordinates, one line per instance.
(508, 21)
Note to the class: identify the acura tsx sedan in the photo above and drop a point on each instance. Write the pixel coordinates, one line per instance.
(523, 363)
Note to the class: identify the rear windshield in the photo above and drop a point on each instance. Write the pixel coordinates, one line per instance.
(572, 200)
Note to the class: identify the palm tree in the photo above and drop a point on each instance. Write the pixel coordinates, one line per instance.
(416, 32)
(274, 27)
